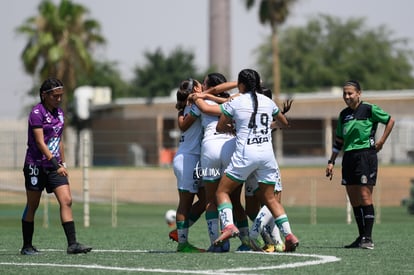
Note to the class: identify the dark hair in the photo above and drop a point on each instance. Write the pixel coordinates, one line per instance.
(49, 85)
(267, 92)
(187, 85)
(251, 80)
(182, 96)
(215, 79)
(354, 83)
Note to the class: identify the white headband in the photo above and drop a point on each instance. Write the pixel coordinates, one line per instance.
(58, 87)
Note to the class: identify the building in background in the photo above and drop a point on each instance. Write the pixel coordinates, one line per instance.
(132, 132)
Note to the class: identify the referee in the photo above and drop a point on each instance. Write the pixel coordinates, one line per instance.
(355, 135)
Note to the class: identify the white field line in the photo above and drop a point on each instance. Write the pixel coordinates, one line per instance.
(319, 259)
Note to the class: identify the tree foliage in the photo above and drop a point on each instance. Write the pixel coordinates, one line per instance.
(60, 42)
(107, 74)
(274, 13)
(327, 51)
(161, 73)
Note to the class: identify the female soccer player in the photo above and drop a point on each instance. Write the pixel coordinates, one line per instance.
(44, 166)
(216, 149)
(185, 164)
(252, 114)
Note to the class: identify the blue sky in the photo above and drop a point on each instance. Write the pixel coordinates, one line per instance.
(134, 26)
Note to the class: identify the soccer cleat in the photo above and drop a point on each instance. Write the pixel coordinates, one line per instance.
(280, 247)
(269, 248)
(29, 250)
(189, 248)
(222, 248)
(244, 247)
(230, 231)
(355, 244)
(291, 242)
(245, 244)
(256, 244)
(77, 248)
(173, 235)
(366, 243)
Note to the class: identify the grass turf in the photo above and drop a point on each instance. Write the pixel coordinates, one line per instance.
(139, 243)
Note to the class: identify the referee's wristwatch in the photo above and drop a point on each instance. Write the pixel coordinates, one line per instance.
(331, 162)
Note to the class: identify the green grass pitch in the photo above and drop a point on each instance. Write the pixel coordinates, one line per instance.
(139, 244)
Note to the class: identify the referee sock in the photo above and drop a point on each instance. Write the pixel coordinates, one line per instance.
(27, 231)
(369, 218)
(359, 220)
(69, 228)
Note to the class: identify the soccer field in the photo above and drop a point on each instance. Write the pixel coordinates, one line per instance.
(139, 244)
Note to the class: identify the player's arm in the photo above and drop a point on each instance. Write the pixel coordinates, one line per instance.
(185, 121)
(40, 143)
(62, 153)
(387, 132)
(280, 118)
(224, 124)
(279, 121)
(221, 88)
(336, 148)
(206, 108)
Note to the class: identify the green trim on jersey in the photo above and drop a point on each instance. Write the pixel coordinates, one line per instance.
(225, 112)
(193, 114)
(357, 128)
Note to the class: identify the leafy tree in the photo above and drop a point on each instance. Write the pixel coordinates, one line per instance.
(274, 13)
(328, 51)
(163, 73)
(60, 41)
(106, 73)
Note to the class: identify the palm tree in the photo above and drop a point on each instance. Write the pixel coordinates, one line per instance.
(274, 13)
(60, 41)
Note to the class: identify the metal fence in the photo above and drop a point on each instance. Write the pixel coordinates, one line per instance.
(120, 149)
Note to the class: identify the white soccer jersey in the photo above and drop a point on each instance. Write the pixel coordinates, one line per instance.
(216, 148)
(254, 150)
(190, 140)
(209, 123)
(188, 156)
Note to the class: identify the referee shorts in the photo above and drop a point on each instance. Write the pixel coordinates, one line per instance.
(360, 167)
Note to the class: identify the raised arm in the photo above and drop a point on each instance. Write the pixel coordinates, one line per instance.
(221, 88)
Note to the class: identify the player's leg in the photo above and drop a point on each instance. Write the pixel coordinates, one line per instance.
(278, 212)
(33, 199)
(34, 184)
(225, 208)
(64, 198)
(240, 218)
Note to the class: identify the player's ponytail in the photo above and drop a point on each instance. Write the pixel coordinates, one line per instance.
(251, 80)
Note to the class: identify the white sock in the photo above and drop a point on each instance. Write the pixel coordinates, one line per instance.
(283, 224)
(182, 235)
(213, 229)
(262, 218)
(273, 231)
(226, 214)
